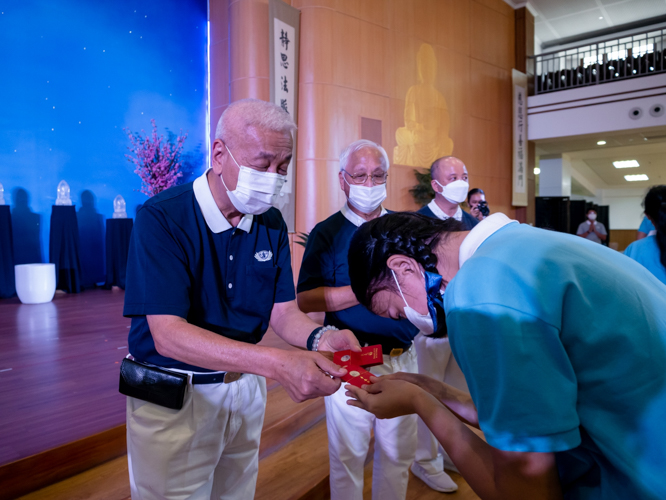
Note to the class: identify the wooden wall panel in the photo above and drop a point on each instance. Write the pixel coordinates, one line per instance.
(373, 11)
(359, 59)
(248, 49)
(219, 61)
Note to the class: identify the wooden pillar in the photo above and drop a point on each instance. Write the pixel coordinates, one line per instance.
(248, 49)
(218, 17)
(525, 48)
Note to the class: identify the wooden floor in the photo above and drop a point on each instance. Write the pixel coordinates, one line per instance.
(292, 472)
(59, 383)
(59, 370)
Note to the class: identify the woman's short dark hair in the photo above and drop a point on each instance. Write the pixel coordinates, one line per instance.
(474, 191)
(401, 233)
(655, 208)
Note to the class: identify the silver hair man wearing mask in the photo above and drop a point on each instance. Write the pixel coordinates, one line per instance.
(209, 270)
(324, 285)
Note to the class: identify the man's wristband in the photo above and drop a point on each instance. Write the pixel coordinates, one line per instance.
(313, 340)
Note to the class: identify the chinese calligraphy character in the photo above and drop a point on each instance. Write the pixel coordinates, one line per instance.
(283, 84)
(283, 105)
(284, 39)
(284, 63)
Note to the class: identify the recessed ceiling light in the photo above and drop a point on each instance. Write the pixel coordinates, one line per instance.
(601, 143)
(537, 171)
(637, 177)
(601, 17)
(626, 164)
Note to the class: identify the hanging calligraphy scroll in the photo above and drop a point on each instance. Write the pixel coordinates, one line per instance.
(519, 198)
(283, 35)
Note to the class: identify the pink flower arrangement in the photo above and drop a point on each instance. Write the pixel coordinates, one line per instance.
(157, 159)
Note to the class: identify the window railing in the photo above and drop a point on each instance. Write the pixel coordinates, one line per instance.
(599, 62)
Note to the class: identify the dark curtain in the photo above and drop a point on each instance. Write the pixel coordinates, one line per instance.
(64, 248)
(7, 285)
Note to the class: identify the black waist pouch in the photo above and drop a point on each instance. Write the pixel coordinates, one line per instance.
(152, 384)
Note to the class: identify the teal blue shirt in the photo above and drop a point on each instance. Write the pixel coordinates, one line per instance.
(646, 226)
(646, 252)
(563, 345)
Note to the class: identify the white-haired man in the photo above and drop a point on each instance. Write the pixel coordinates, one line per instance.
(209, 269)
(324, 285)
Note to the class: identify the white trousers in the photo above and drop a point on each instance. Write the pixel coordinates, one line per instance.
(209, 449)
(349, 434)
(436, 360)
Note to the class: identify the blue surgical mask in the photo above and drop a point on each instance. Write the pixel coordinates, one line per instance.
(434, 322)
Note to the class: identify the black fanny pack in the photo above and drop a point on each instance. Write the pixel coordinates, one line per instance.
(152, 384)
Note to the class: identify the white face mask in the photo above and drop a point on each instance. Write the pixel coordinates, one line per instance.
(255, 191)
(456, 191)
(421, 321)
(366, 199)
(592, 216)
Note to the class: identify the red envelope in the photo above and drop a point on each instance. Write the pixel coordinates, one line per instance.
(357, 376)
(369, 356)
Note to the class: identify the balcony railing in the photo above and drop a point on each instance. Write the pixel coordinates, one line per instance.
(605, 61)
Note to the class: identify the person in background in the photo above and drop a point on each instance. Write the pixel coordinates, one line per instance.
(645, 229)
(324, 285)
(476, 199)
(450, 182)
(651, 251)
(591, 229)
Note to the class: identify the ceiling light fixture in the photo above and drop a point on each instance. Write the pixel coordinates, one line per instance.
(626, 164)
(537, 171)
(601, 143)
(637, 177)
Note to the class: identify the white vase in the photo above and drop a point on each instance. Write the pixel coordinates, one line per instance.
(35, 283)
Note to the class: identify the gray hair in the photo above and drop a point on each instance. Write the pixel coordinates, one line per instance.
(355, 146)
(253, 113)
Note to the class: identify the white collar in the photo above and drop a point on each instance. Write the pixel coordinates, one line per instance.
(439, 213)
(487, 227)
(215, 220)
(353, 217)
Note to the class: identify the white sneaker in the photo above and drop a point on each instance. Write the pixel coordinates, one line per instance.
(439, 482)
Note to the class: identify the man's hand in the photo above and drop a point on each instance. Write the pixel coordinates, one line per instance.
(306, 375)
(386, 398)
(338, 340)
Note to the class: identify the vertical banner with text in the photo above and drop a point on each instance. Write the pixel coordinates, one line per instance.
(284, 31)
(520, 165)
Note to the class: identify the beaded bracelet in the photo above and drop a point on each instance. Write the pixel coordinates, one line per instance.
(315, 336)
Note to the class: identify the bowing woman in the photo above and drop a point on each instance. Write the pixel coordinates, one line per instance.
(562, 343)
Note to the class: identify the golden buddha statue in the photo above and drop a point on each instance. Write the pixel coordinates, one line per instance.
(425, 136)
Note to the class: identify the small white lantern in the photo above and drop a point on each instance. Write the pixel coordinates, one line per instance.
(2, 194)
(63, 194)
(119, 208)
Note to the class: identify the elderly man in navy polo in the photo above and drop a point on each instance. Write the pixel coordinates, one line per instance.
(209, 269)
(324, 285)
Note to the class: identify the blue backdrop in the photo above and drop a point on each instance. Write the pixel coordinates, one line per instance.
(74, 74)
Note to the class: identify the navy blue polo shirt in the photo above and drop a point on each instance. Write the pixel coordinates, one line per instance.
(325, 264)
(186, 260)
(433, 210)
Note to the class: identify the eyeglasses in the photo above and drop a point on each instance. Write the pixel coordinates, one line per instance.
(363, 178)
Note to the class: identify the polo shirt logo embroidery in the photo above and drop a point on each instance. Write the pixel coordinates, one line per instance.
(263, 255)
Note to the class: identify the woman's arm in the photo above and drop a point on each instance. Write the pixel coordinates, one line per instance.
(491, 473)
